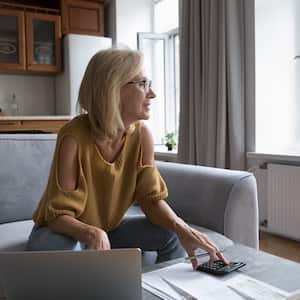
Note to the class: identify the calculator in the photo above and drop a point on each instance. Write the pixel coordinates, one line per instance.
(218, 267)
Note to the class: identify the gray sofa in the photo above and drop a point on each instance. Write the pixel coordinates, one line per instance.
(222, 203)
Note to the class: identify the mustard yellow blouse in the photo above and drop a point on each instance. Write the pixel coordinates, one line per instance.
(104, 190)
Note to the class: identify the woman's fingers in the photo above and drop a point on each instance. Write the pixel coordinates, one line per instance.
(204, 237)
(204, 243)
(193, 260)
(192, 239)
(223, 258)
(210, 247)
(100, 244)
(107, 245)
(200, 241)
(219, 255)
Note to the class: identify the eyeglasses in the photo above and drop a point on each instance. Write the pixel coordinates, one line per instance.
(144, 83)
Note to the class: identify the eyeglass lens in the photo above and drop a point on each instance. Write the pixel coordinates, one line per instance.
(147, 84)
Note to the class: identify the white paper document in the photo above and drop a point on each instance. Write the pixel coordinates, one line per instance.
(254, 289)
(180, 281)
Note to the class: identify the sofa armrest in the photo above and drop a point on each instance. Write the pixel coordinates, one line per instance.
(219, 199)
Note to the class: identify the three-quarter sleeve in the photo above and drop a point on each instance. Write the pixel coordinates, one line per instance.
(63, 202)
(150, 186)
(57, 201)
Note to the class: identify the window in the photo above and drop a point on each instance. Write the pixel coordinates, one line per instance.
(277, 76)
(161, 54)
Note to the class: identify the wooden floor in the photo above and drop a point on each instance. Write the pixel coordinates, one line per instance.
(280, 246)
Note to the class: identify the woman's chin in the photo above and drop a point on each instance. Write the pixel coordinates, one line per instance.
(145, 115)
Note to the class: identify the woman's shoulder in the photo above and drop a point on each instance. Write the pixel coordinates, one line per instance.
(144, 131)
(143, 141)
(137, 128)
(147, 143)
(77, 127)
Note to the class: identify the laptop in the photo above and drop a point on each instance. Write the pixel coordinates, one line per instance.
(77, 275)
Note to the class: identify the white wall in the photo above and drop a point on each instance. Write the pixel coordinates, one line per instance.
(131, 16)
(35, 94)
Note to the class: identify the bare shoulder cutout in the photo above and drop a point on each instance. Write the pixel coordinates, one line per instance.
(68, 163)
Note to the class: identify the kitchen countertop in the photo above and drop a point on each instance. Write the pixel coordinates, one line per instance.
(15, 118)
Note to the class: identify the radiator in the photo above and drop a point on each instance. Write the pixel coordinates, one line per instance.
(283, 200)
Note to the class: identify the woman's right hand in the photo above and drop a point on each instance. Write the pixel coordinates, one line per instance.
(96, 239)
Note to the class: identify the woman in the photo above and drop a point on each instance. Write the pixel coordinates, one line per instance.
(103, 161)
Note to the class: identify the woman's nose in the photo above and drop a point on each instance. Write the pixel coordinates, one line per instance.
(151, 94)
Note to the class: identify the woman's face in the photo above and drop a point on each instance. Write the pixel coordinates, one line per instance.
(136, 97)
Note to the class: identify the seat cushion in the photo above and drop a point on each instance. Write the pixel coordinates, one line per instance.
(14, 235)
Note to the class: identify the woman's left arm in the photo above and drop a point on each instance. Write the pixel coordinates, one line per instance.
(160, 213)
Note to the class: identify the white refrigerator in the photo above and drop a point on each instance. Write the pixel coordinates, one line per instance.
(78, 50)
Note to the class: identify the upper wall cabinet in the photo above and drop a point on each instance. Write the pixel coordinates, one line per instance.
(12, 40)
(43, 34)
(83, 17)
(29, 42)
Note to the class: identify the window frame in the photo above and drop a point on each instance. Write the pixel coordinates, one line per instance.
(170, 96)
(164, 37)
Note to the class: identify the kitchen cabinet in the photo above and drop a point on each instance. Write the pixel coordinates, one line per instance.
(83, 17)
(12, 40)
(32, 124)
(30, 41)
(43, 34)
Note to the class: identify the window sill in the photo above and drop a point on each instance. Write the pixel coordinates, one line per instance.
(274, 156)
(256, 159)
(161, 153)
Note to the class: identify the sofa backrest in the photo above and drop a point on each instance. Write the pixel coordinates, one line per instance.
(25, 161)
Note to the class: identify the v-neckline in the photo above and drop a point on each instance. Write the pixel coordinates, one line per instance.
(118, 158)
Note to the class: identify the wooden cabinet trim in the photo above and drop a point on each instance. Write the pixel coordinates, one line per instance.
(33, 8)
(32, 125)
(10, 123)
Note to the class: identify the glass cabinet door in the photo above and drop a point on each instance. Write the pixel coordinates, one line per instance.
(12, 42)
(43, 42)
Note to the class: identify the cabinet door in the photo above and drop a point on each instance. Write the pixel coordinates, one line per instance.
(83, 17)
(43, 42)
(12, 40)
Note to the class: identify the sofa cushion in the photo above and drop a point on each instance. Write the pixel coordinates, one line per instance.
(14, 235)
(25, 161)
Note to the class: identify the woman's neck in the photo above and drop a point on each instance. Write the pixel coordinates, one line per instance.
(118, 139)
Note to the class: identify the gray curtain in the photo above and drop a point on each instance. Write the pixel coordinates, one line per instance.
(217, 88)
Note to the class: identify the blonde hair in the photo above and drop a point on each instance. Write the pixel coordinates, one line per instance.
(99, 93)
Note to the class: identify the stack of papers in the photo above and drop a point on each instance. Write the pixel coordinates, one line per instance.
(180, 281)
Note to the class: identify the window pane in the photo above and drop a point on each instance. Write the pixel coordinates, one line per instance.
(154, 61)
(177, 86)
(158, 115)
(277, 94)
